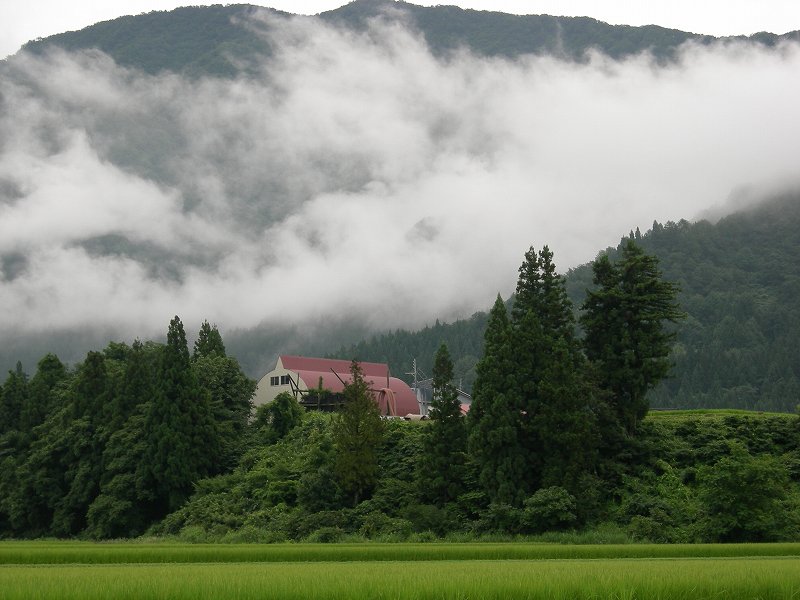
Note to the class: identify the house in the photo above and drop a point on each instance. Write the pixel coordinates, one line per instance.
(302, 376)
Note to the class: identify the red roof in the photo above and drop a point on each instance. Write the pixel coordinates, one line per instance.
(302, 363)
(376, 375)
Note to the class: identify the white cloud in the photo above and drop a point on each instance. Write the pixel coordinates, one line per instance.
(358, 176)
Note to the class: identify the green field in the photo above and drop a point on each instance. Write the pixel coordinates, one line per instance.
(457, 571)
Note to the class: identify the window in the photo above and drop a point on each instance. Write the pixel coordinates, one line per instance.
(274, 380)
(285, 380)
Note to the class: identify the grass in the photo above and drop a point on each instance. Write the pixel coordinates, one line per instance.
(88, 553)
(713, 412)
(764, 578)
(84, 570)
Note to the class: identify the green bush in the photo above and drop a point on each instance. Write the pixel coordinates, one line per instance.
(326, 535)
(378, 525)
(746, 498)
(549, 509)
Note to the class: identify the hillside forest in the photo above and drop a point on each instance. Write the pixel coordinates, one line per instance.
(223, 41)
(201, 174)
(738, 280)
(155, 439)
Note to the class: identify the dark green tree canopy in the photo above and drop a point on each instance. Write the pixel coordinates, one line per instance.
(625, 329)
(209, 342)
(442, 463)
(494, 440)
(182, 438)
(357, 434)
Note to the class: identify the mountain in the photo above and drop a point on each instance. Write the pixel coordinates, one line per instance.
(224, 40)
(187, 192)
(739, 280)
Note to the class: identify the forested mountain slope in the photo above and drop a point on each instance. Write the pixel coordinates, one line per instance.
(739, 279)
(224, 40)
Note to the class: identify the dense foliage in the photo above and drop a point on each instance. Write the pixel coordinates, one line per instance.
(112, 446)
(151, 438)
(738, 281)
(288, 490)
(224, 40)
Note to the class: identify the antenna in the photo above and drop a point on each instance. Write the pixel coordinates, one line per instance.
(414, 372)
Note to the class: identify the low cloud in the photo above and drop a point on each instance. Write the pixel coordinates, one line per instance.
(358, 176)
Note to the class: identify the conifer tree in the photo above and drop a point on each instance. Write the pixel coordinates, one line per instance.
(442, 464)
(357, 434)
(124, 507)
(493, 422)
(209, 342)
(230, 391)
(14, 398)
(625, 333)
(542, 291)
(12, 452)
(549, 377)
(182, 443)
(41, 446)
(82, 429)
(50, 372)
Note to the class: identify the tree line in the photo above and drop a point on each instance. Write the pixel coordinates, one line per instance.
(117, 443)
(738, 282)
(154, 438)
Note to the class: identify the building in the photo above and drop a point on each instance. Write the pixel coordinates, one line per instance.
(424, 392)
(303, 376)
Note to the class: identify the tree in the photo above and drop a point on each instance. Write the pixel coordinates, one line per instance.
(280, 416)
(745, 498)
(34, 483)
(50, 372)
(445, 440)
(493, 422)
(13, 397)
(542, 291)
(556, 424)
(127, 503)
(625, 333)
(181, 436)
(209, 342)
(230, 391)
(84, 430)
(357, 433)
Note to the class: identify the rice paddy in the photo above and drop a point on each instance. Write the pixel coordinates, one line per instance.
(423, 571)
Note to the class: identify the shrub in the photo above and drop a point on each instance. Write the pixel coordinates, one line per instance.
(326, 535)
(745, 498)
(378, 525)
(549, 509)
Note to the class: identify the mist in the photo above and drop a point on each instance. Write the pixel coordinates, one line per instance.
(357, 177)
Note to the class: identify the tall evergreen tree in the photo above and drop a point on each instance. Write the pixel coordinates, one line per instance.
(84, 430)
(38, 476)
(549, 378)
(542, 291)
(13, 449)
(230, 390)
(182, 442)
(125, 506)
(357, 434)
(208, 342)
(493, 422)
(13, 399)
(442, 464)
(50, 372)
(625, 333)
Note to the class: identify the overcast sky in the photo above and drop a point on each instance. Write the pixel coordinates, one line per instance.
(23, 20)
(358, 176)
